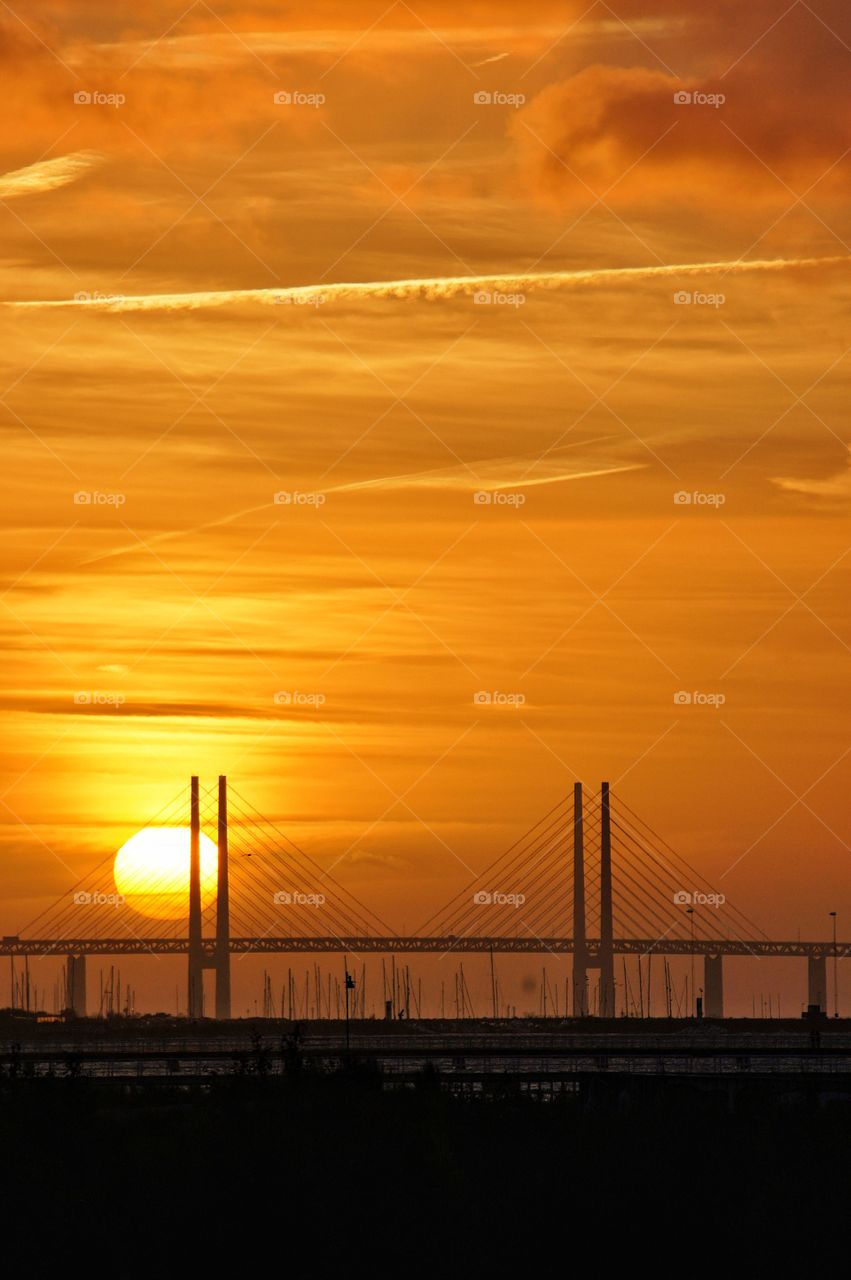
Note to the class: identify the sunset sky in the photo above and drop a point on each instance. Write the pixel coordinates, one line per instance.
(522, 203)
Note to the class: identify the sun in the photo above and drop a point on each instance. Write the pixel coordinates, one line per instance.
(151, 872)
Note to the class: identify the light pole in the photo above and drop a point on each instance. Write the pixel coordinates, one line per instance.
(349, 984)
(835, 971)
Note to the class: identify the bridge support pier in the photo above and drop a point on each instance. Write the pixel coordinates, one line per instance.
(817, 982)
(75, 985)
(713, 986)
(195, 1001)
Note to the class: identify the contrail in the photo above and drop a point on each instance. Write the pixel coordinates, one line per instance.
(497, 57)
(488, 474)
(430, 289)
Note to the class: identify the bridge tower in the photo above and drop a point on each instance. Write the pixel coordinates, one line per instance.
(195, 1003)
(580, 950)
(607, 958)
(223, 908)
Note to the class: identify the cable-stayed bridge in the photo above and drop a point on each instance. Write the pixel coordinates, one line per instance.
(589, 879)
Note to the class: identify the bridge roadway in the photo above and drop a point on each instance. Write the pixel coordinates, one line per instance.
(464, 1054)
(16, 946)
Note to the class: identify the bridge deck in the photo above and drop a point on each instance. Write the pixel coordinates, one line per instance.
(15, 946)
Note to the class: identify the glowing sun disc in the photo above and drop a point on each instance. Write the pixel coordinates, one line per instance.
(151, 872)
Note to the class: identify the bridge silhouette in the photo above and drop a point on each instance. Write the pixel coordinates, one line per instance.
(589, 879)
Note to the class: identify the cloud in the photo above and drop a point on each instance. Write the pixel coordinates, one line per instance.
(836, 486)
(48, 175)
(782, 121)
(431, 288)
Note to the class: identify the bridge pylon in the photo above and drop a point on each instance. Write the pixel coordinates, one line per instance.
(195, 1001)
(200, 956)
(223, 907)
(580, 949)
(607, 956)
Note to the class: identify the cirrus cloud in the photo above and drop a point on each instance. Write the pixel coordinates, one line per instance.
(48, 175)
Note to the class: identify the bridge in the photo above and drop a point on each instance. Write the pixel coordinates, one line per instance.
(590, 880)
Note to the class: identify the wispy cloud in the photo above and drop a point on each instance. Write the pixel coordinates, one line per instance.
(47, 175)
(836, 486)
(432, 288)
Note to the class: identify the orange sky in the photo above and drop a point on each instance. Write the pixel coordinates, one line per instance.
(193, 598)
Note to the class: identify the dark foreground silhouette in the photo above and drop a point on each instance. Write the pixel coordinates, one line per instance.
(334, 1175)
